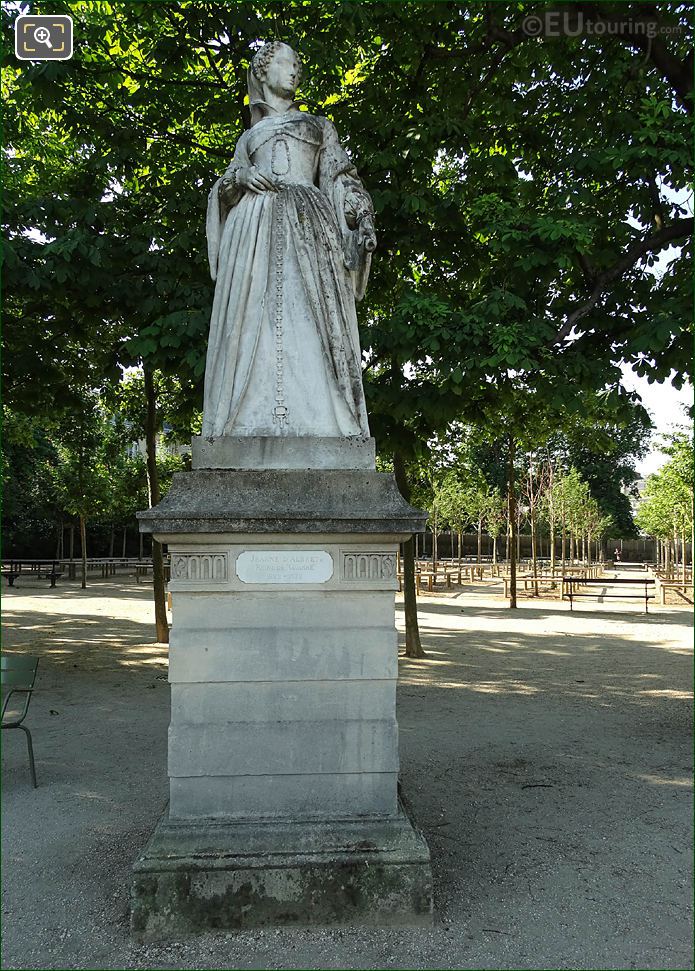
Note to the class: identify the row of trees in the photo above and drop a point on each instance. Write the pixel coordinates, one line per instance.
(524, 189)
(85, 467)
(666, 510)
(552, 501)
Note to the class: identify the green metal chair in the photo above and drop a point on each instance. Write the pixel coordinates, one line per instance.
(17, 676)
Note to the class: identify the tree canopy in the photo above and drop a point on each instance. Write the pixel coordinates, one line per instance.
(523, 186)
(529, 193)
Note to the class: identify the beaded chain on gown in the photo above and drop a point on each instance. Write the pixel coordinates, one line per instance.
(284, 355)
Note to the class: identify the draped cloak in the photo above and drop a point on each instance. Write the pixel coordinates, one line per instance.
(283, 353)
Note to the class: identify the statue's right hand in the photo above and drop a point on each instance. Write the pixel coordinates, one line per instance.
(254, 181)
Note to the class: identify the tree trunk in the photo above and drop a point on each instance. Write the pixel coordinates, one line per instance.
(160, 611)
(59, 542)
(83, 550)
(413, 646)
(435, 545)
(534, 563)
(459, 536)
(494, 550)
(480, 541)
(72, 541)
(112, 541)
(511, 503)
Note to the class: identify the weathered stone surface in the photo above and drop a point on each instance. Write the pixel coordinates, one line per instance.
(283, 501)
(275, 612)
(248, 654)
(198, 876)
(281, 701)
(337, 794)
(239, 748)
(286, 452)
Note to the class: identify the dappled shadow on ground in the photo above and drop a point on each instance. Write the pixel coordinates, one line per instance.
(92, 627)
(490, 650)
(546, 756)
(536, 609)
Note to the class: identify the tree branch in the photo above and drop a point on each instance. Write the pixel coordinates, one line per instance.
(678, 72)
(678, 230)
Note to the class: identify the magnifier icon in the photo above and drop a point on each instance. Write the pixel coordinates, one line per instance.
(42, 35)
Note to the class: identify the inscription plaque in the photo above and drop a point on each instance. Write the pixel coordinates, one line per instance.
(284, 566)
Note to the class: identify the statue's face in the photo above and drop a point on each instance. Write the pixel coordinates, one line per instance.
(283, 73)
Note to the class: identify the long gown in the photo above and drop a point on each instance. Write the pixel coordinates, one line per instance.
(283, 353)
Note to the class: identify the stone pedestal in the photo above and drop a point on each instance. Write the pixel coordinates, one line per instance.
(283, 744)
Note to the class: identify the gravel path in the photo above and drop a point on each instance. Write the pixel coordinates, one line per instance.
(546, 755)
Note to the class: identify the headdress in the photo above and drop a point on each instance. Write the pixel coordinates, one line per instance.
(256, 75)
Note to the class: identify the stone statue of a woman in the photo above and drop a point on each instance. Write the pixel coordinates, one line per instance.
(290, 235)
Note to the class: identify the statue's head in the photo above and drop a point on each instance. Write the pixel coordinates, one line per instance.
(278, 68)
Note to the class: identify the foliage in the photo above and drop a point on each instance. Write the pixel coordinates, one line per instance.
(667, 503)
(84, 463)
(523, 189)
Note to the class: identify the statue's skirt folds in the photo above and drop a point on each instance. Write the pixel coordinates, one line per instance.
(283, 354)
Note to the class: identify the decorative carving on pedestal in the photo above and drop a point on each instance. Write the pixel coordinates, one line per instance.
(368, 565)
(199, 566)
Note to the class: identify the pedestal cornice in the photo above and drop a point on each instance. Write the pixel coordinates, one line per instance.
(283, 501)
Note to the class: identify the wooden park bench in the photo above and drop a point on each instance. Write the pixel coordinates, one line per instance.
(420, 578)
(571, 584)
(677, 586)
(11, 575)
(524, 579)
(51, 575)
(40, 569)
(143, 569)
(17, 676)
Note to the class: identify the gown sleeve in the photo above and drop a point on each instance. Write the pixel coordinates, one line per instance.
(339, 181)
(224, 195)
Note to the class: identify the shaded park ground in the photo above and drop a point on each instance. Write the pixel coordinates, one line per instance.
(546, 755)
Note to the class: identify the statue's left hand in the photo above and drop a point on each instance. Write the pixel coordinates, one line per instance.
(366, 235)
